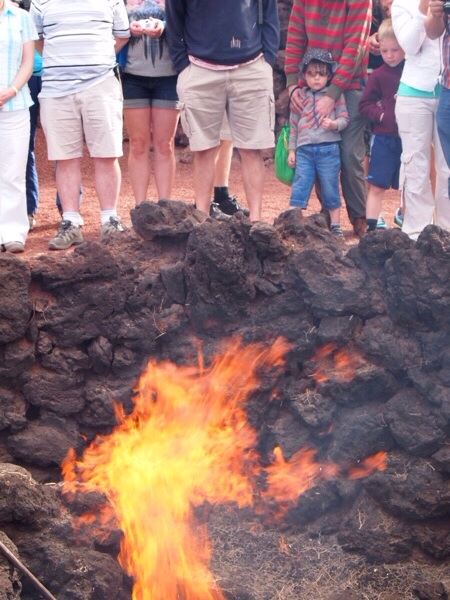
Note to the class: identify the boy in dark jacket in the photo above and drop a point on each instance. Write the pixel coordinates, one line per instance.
(378, 106)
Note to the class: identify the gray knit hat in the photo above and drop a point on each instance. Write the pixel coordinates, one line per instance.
(320, 55)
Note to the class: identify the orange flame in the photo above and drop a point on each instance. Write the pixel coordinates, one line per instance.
(376, 462)
(341, 364)
(186, 442)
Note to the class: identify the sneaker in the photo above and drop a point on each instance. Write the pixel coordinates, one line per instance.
(31, 221)
(14, 247)
(398, 218)
(230, 206)
(337, 230)
(68, 235)
(381, 223)
(114, 224)
(217, 214)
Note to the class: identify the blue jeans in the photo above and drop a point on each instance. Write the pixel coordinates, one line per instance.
(321, 161)
(32, 182)
(443, 125)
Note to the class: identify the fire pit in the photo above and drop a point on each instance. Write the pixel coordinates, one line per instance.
(363, 371)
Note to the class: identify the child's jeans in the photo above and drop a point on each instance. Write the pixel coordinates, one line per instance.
(321, 161)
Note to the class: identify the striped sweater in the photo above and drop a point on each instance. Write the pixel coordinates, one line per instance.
(306, 129)
(340, 26)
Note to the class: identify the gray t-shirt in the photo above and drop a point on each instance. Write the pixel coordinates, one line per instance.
(149, 58)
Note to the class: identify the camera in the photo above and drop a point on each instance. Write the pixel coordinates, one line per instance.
(447, 7)
(148, 23)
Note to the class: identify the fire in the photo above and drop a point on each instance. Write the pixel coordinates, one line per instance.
(341, 364)
(377, 462)
(186, 442)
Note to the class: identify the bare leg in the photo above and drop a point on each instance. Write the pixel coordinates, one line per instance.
(374, 201)
(138, 124)
(204, 177)
(253, 173)
(223, 163)
(164, 122)
(68, 183)
(107, 182)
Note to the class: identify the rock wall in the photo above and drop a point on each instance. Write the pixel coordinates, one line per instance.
(77, 327)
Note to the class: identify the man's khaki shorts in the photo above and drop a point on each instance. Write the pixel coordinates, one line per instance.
(246, 96)
(93, 115)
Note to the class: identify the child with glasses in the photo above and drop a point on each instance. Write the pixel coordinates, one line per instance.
(314, 141)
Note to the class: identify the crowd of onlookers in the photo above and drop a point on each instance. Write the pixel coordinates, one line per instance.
(368, 87)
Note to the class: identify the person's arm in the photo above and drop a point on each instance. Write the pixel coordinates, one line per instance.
(296, 44)
(36, 17)
(342, 118)
(22, 76)
(355, 49)
(436, 21)
(370, 105)
(294, 119)
(40, 45)
(270, 31)
(409, 25)
(121, 27)
(175, 19)
(119, 44)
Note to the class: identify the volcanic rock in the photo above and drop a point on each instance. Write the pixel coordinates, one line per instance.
(367, 372)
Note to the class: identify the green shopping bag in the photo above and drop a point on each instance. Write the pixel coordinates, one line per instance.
(283, 171)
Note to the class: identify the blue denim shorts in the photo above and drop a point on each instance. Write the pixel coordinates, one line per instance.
(384, 166)
(142, 92)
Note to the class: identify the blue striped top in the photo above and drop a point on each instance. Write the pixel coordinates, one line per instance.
(16, 28)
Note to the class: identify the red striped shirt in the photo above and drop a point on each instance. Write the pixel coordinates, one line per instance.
(340, 26)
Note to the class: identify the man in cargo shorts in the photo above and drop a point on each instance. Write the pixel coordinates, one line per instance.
(81, 100)
(224, 55)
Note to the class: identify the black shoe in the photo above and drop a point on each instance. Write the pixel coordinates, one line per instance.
(230, 206)
(216, 213)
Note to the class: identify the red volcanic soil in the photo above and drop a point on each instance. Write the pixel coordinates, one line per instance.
(276, 197)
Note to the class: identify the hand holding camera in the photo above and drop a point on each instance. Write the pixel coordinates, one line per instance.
(439, 8)
(148, 23)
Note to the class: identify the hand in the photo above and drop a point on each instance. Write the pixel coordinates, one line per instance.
(297, 99)
(158, 30)
(437, 8)
(5, 95)
(329, 124)
(324, 107)
(291, 158)
(374, 45)
(137, 29)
